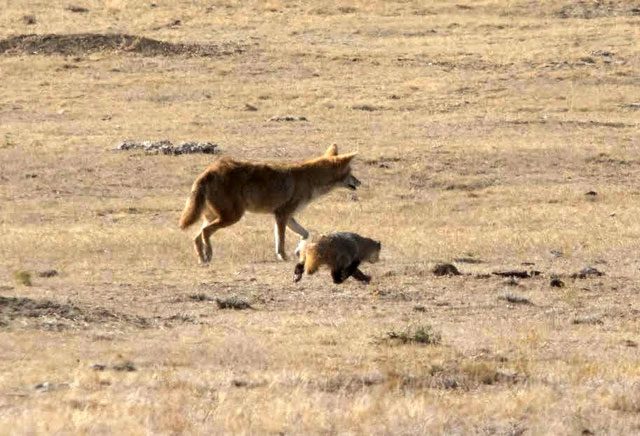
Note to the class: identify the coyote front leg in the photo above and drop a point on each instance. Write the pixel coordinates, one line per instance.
(301, 231)
(279, 233)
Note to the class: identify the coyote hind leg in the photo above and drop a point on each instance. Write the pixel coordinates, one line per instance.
(198, 243)
(202, 241)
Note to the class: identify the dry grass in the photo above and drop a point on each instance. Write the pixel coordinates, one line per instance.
(480, 127)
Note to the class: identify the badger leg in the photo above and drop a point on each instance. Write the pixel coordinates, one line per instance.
(297, 272)
(338, 276)
(353, 270)
(360, 276)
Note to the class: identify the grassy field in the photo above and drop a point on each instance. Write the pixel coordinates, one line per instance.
(481, 126)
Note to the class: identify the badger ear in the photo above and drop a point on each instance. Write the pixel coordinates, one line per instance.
(331, 151)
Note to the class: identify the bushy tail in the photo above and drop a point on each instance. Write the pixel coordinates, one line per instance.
(193, 208)
(311, 259)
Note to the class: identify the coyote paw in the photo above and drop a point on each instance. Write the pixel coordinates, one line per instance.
(300, 247)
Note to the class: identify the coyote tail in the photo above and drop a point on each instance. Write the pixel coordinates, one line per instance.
(193, 208)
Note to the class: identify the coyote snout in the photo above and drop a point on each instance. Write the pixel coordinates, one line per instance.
(352, 183)
(228, 188)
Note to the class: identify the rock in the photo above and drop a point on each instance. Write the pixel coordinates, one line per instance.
(587, 320)
(250, 107)
(48, 273)
(365, 107)
(233, 303)
(511, 281)
(281, 118)
(48, 386)
(98, 367)
(471, 260)
(167, 147)
(124, 366)
(77, 9)
(445, 269)
(518, 274)
(515, 299)
(556, 283)
(587, 272)
(29, 20)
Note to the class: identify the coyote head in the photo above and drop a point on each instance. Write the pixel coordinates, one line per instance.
(343, 165)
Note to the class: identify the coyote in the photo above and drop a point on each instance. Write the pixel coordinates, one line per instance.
(342, 252)
(228, 188)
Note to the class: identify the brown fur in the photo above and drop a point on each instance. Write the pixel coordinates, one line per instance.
(341, 252)
(228, 188)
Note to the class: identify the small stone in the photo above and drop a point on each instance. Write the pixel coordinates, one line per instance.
(556, 283)
(48, 273)
(517, 273)
(125, 367)
(511, 281)
(281, 118)
(77, 9)
(587, 272)
(515, 299)
(594, 320)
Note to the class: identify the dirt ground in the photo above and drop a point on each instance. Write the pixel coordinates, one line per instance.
(494, 135)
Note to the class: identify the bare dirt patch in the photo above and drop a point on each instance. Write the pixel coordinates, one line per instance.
(86, 43)
(597, 9)
(50, 315)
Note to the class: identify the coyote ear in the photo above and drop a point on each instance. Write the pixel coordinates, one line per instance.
(346, 158)
(331, 151)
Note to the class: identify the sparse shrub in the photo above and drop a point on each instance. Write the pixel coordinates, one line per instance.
(233, 303)
(126, 366)
(591, 319)
(481, 372)
(626, 399)
(445, 269)
(22, 277)
(515, 299)
(199, 297)
(423, 334)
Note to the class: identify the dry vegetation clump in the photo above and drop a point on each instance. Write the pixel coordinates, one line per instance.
(87, 43)
(515, 299)
(445, 269)
(422, 334)
(22, 278)
(233, 302)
